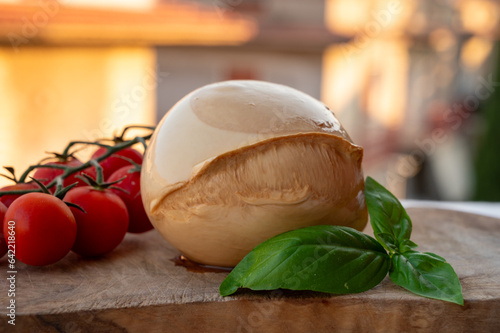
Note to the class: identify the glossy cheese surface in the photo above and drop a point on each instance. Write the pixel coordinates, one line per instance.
(237, 162)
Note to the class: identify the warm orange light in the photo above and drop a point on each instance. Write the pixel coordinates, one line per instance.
(479, 16)
(343, 74)
(50, 96)
(169, 23)
(115, 4)
(475, 51)
(387, 96)
(345, 16)
(373, 76)
(369, 17)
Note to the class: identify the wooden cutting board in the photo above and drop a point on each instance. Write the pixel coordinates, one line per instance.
(138, 288)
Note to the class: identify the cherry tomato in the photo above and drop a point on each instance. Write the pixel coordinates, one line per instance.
(46, 175)
(138, 219)
(42, 227)
(3, 244)
(9, 198)
(104, 225)
(113, 163)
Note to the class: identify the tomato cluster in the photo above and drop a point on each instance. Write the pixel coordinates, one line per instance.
(91, 218)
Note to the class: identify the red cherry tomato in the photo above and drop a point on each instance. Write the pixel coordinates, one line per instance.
(42, 228)
(46, 175)
(104, 225)
(138, 219)
(8, 199)
(113, 163)
(3, 244)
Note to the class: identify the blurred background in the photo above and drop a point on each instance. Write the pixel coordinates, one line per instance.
(416, 83)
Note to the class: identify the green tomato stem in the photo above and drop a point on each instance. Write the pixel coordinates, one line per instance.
(20, 191)
(72, 143)
(134, 126)
(71, 170)
(98, 167)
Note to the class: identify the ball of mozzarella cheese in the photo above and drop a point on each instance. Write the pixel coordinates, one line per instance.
(235, 163)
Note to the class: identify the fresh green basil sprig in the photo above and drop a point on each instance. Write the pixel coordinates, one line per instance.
(342, 260)
(425, 274)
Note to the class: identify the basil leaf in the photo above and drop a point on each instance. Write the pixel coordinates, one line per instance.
(390, 222)
(426, 274)
(320, 258)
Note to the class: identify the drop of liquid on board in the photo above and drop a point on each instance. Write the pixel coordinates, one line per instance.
(192, 266)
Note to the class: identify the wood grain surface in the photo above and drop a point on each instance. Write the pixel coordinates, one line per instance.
(138, 288)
